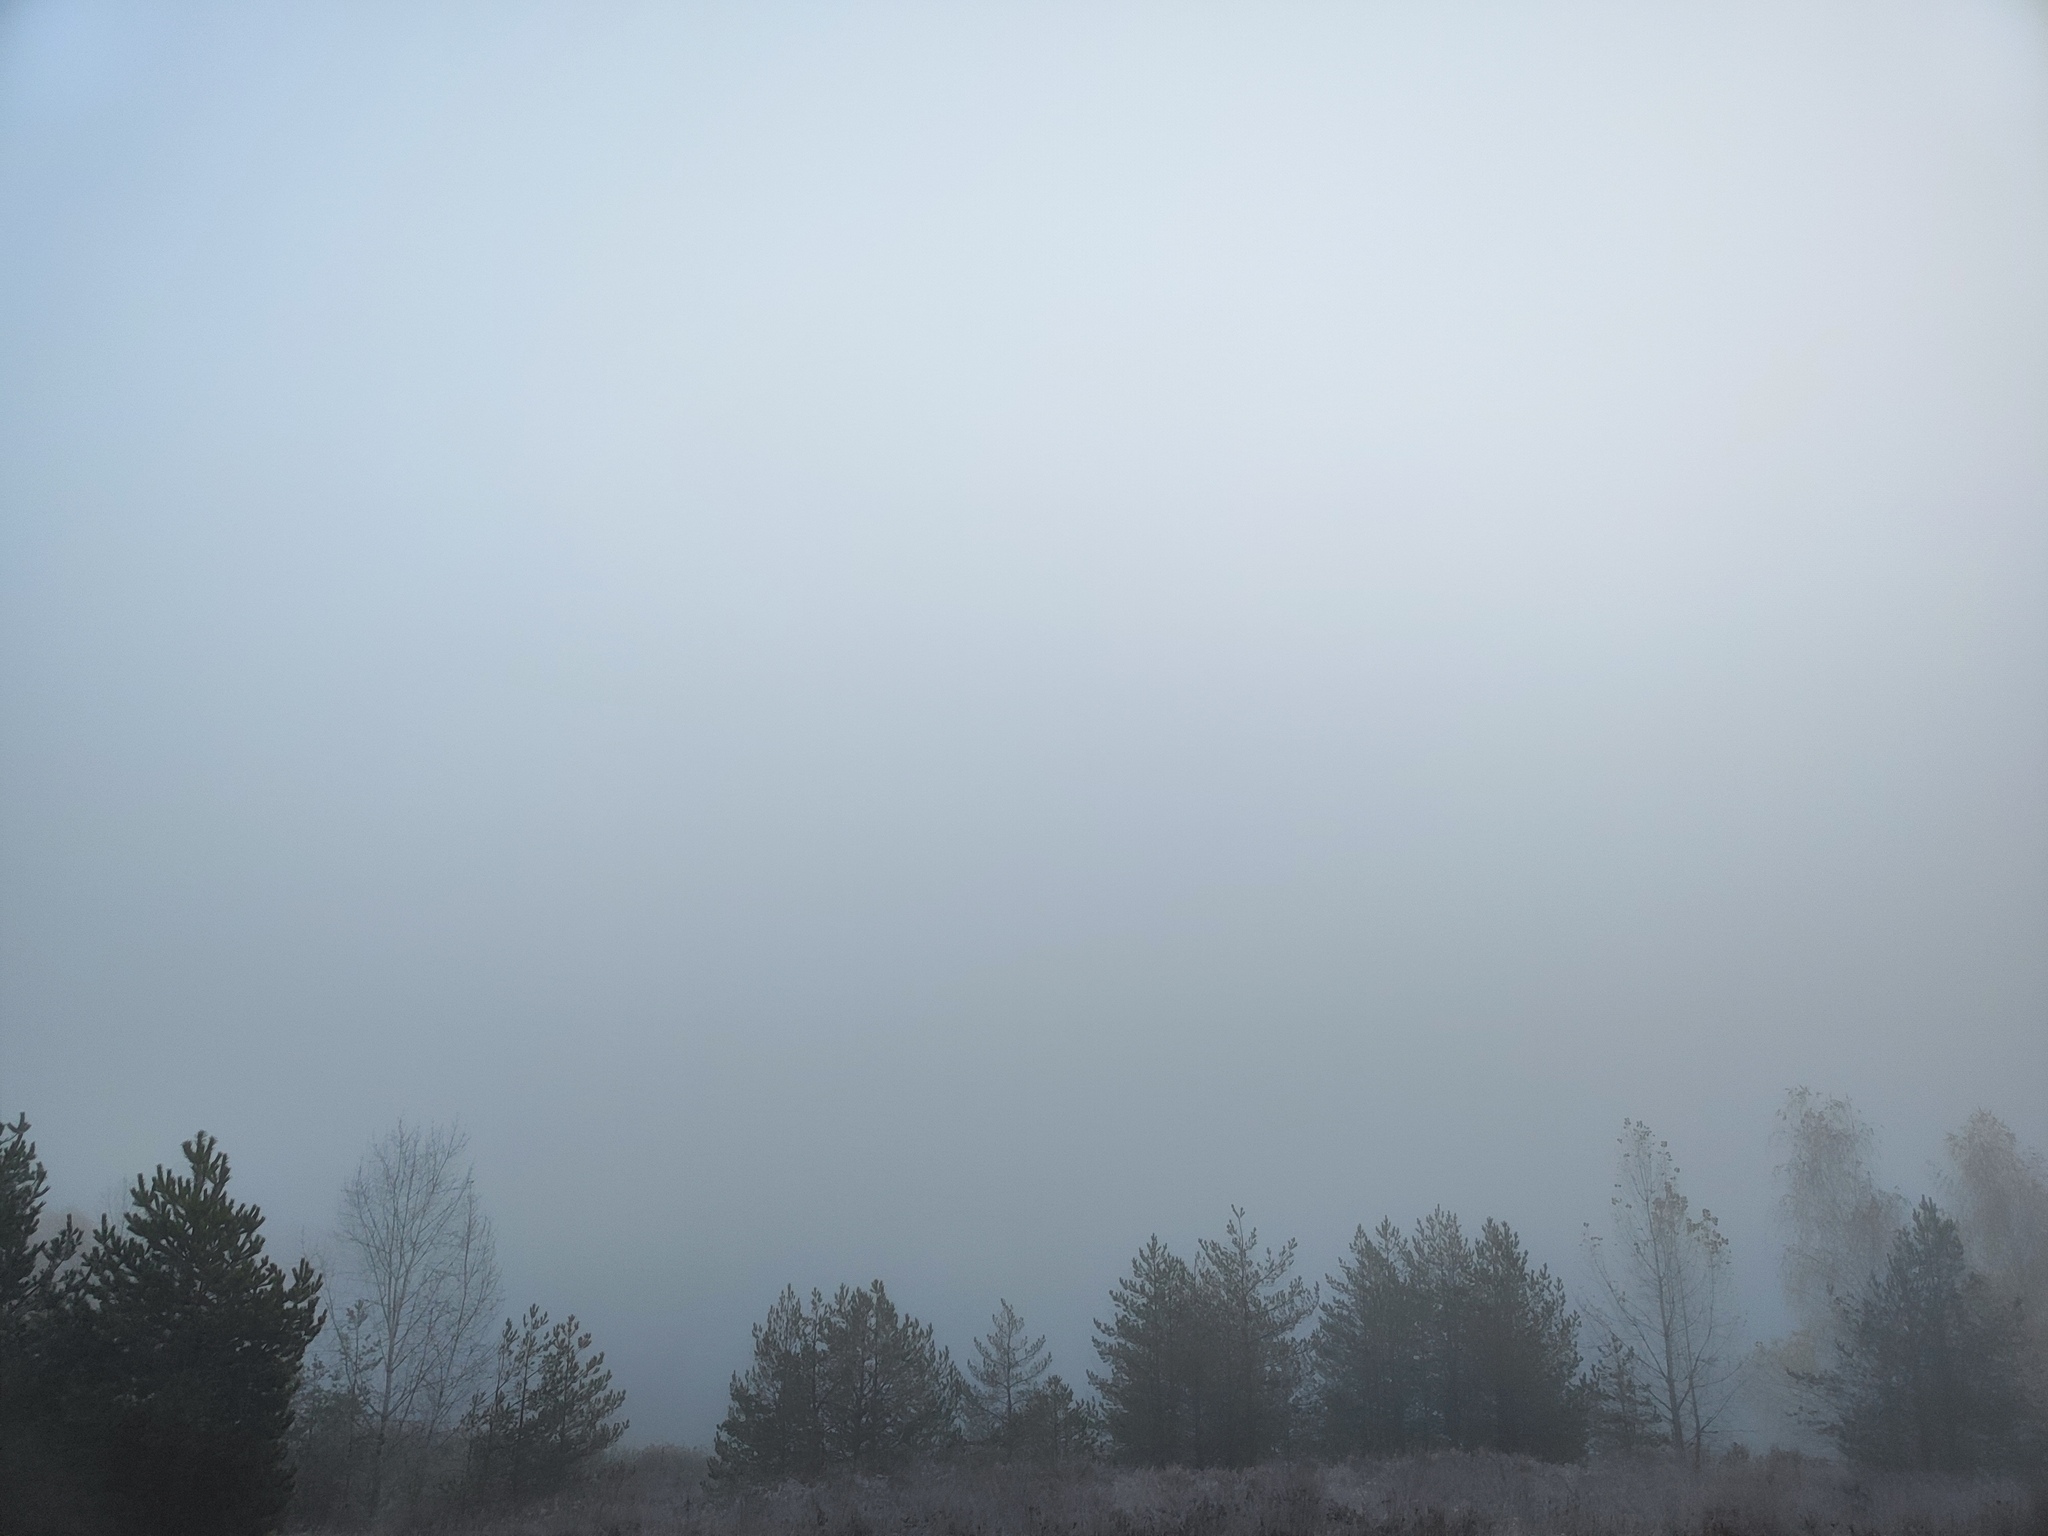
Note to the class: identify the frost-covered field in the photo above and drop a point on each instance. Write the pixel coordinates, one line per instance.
(661, 1491)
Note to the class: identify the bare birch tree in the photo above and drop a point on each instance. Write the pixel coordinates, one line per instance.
(1666, 1290)
(422, 1251)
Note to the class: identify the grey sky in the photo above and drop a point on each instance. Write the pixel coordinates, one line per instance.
(923, 641)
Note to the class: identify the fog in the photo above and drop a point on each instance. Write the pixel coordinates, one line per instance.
(920, 642)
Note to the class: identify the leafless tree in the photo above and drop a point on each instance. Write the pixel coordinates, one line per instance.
(1666, 1290)
(422, 1252)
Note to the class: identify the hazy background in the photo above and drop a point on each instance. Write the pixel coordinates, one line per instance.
(924, 641)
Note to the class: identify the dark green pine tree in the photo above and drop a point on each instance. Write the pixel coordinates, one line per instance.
(849, 1382)
(1433, 1340)
(1929, 1375)
(1251, 1307)
(1525, 1353)
(1367, 1350)
(551, 1412)
(774, 1427)
(1440, 1275)
(190, 1345)
(41, 1488)
(892, 1394)
(1152, 1384)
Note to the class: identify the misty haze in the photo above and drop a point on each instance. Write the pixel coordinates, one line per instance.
(1224, 770)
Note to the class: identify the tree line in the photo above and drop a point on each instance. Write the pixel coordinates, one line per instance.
(1923, 1342)
(166, 1374)
(1424, 1340)
(158, 1376)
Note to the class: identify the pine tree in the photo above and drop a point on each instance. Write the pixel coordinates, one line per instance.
(1003, 1377)
(1624, 1414)
(849, 1382)
(1441, 1277)
(892, 1394)
(1152, 1385)
(1251, 1307)
(550, 1412)
(1431, 1340)
(775, 1426)
(33, 1460)
(1525, 1353)
(191, 1345)
(1367, 1349)
(1929, 1365)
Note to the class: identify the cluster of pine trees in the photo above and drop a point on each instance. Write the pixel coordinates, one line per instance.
(148, 1385)
(849, 1381)
(1430, 1340)
(153, 1377)
(1924, 1341)
(161, 1376)
(1423, 1341)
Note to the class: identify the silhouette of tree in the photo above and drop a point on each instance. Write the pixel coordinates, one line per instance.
(191, 1343)
(1007, 1368)
(1929, 1362)
(1665, 1280)
(1203, 1366)
(422, 1251)
(1368, 1352)
(1251, 1308)
(1152, 1384)
(1434, 1341)
(550, 1411)
(846, 1382)
(1525, 1354)
(33, 1461)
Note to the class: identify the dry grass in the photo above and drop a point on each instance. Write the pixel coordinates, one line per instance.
(661, 1491)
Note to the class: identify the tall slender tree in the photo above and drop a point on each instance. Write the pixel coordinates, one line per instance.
(1153, 1384)
(1440, 1274)
(423, 1255)
(42, 1480)
(1251, 1308)
(1003, 1377)
(1664, 1277)
(1525, 1353)
(1368, 1351)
